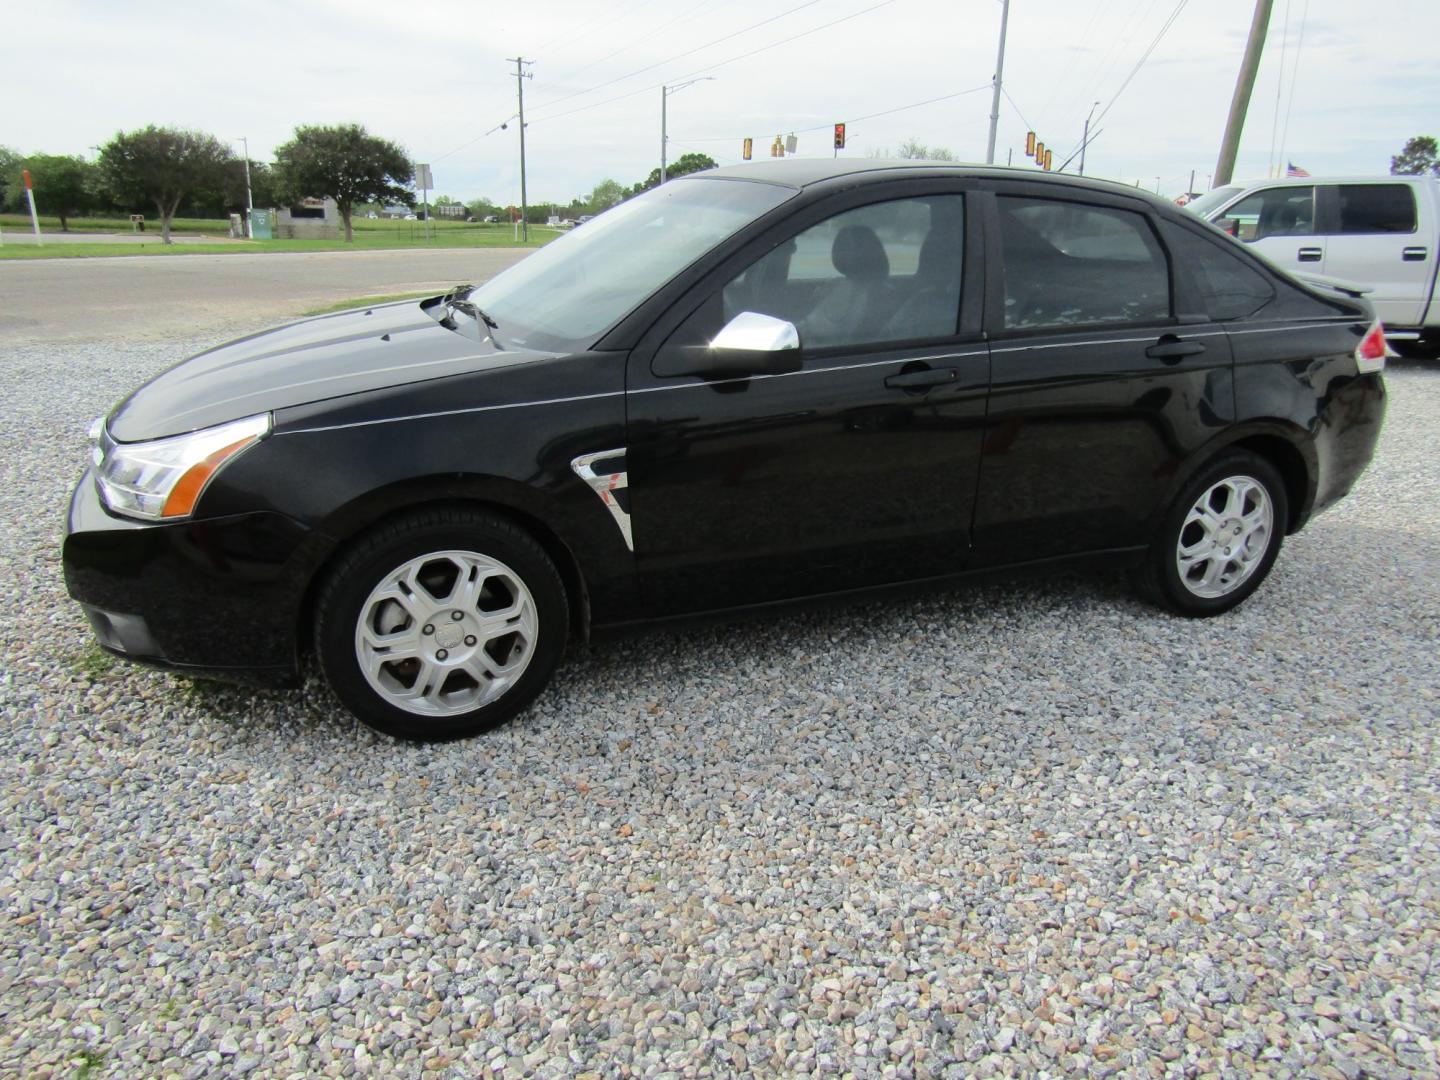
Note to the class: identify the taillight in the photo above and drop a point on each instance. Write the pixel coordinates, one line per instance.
(1370, 354)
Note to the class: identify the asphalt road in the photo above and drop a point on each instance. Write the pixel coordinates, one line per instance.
(148, 298)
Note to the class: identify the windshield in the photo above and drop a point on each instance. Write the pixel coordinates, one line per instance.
(563, 297)
(1211, 200)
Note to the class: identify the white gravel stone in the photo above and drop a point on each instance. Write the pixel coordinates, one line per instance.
(1030, 828)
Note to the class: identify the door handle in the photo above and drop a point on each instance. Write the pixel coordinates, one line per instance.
(1414, 254)
(918, 380)
(1171, 348)
(1310, 254)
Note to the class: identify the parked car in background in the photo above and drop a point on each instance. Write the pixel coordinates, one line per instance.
(756, 384)
(1379, 232)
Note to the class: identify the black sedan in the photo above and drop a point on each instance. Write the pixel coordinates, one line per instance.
(751, 385)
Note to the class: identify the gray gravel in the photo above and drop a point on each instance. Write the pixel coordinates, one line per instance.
(1032, 828)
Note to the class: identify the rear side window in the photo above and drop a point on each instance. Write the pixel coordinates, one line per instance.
(1376, 208)
(1229, 288)
(1069, 264)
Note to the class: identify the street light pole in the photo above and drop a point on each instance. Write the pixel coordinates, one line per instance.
(1085, 141)
(520, 76)
(999, 82)
(665, 91)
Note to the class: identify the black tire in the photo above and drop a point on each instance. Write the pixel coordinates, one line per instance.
(1158, 577)
(376, 556)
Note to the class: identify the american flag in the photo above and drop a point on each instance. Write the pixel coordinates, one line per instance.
(1292, 169)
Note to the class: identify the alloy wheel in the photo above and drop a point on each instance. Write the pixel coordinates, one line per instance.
(1225, 537)
(446, 633)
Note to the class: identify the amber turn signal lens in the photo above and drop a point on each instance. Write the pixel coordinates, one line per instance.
(186, 492)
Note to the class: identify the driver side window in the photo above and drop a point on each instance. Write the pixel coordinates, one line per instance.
(885, 272)
(1284, 211)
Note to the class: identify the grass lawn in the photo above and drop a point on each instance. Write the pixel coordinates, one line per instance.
(369, 235)
(366, 301)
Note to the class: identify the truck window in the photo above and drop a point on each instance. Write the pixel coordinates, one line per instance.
(1278, 211)
(1376, 208)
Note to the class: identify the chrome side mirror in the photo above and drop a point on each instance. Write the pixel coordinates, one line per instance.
(750, 331)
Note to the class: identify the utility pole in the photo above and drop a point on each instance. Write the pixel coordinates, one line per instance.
(999, 77)
(249, 202)
(1085, 141)
(1244, 85)
(520, 76)
(665, 91)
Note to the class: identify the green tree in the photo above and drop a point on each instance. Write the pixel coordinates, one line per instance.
(160, 166)
(345, 163)
(688, 163)
(64, 185)
(1419, 155)
(603, 196)
(9, 164)
(482, 208)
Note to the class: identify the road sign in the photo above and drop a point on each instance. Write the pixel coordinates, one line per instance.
(423, 179)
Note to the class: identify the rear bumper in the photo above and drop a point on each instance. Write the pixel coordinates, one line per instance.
(220, 598)
(1348, 433)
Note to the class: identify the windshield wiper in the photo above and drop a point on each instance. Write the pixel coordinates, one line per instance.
(457, 299)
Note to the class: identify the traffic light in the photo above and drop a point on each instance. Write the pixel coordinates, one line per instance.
(777, 148)
(1048, 155)
(1029, 144)
(1039, 153)
(749, 145)
(839, 136)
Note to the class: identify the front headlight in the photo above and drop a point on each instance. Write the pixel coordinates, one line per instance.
(164, 479)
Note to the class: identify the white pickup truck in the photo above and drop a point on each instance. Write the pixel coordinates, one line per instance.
(1378, 232)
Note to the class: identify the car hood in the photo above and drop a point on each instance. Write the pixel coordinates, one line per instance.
(325, 357)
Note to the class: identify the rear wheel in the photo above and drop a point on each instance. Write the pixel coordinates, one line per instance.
(1219, 538)
(441, 624)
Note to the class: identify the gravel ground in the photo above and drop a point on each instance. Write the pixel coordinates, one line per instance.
(1032, 828)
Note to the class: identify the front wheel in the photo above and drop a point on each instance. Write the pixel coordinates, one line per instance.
(1219, 538)
(441, 624)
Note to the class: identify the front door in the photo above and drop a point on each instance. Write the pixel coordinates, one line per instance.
(1098, 389)
(1281, 224)
(859, 469)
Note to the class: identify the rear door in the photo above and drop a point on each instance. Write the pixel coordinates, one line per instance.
(1374, 239)
(1282, 224)
(1103, 376)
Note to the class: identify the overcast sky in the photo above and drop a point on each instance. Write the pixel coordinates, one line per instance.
(434, 77)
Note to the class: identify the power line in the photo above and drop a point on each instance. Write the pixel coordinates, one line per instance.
(851, 120)
(678, 56)
(611, 15)
(643, 38)
(1028, 126)
(639, 71)
(1294, 77)
(1279, 90)
(722, 63)
(1143, 57)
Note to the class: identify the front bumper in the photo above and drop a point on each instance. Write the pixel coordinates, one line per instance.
(221, 597)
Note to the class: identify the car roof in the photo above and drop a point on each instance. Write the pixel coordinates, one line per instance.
(809, 172)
